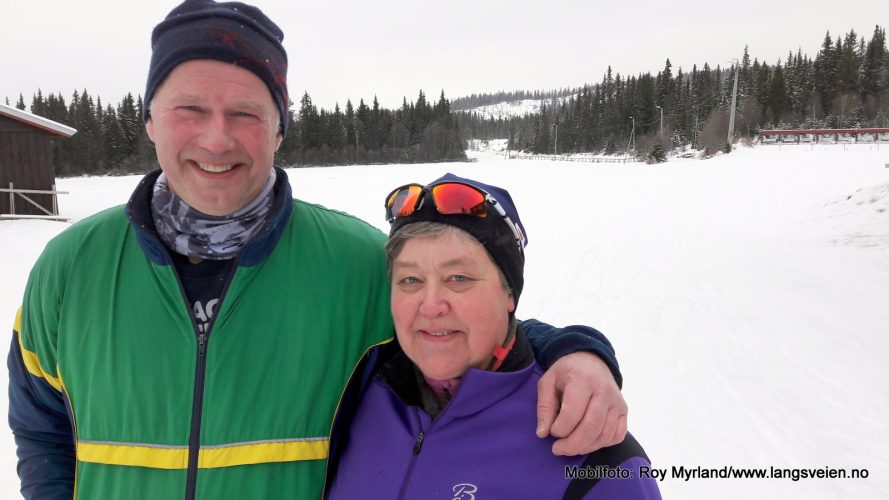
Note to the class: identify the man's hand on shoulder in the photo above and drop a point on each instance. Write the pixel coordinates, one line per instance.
(579, 403)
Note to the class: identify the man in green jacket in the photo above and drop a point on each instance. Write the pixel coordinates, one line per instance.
(196, 342)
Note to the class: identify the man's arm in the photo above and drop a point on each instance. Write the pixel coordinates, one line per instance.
(42, 429)
(578, 398)
(551, 343)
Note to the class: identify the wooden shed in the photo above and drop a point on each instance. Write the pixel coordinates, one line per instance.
(26, 158)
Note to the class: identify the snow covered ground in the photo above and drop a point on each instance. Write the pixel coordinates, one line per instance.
(747, 297)
(478, 147)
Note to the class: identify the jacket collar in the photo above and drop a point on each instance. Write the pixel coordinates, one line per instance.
(478, 390)
(138, 212)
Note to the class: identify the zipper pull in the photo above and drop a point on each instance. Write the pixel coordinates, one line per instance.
(419, 443)
(202, 344)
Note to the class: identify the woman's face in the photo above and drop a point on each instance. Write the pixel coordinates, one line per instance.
(448, 304)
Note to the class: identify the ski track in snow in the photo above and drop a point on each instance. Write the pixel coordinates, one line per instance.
(746, 296)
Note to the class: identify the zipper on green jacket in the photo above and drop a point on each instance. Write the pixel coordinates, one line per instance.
(194, 439)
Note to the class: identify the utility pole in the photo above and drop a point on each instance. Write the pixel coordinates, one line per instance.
(662, 121)
(814, 89)
(731, 120)
(556, 139)
(632, 142)
(842, 109)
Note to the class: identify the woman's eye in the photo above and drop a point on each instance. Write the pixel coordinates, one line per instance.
(409, 280)
(459, 278)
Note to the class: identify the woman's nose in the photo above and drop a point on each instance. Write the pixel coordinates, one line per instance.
(434, 303)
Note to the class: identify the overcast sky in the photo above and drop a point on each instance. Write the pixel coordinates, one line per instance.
(341, 49)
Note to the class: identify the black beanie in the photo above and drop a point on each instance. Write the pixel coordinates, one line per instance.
(492, 232)
(230, 32)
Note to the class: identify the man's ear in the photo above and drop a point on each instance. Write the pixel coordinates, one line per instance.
(149, 127)
(278, 139)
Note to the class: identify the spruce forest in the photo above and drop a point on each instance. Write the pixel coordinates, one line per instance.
(846, 85)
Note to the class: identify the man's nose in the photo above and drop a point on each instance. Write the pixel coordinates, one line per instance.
(216, 137)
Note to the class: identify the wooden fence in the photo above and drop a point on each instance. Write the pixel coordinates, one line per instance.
(23, 193)
(515, 155)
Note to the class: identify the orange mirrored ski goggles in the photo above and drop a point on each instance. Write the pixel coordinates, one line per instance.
(448, 198)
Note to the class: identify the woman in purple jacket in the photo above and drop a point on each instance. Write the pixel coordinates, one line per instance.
(448, 407)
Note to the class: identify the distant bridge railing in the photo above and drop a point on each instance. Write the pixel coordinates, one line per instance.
(824, 136)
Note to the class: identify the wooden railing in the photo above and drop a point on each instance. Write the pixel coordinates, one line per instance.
(585, 159)
(23, 193)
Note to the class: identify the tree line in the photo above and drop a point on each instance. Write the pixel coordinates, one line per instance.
(112, 139)
(846, 85)
(416, 132)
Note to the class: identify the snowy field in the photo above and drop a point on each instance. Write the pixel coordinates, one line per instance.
(747, 297)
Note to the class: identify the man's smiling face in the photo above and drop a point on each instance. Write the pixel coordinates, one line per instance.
(215, 128)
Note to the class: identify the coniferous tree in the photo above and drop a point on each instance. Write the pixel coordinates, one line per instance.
(88, 153)
(826, 74)
(664, 85)
(336, 131)
(113, 139)
(130, 125)
(847, 76)
(777, 94)
(38, 106)
(310, 124)
(351, 126)
(874, 73)
(657, 154)
(362, 124)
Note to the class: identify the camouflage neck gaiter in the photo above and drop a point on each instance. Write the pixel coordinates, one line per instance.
(195, 234)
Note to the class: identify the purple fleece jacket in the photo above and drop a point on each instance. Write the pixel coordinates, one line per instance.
(481, 446)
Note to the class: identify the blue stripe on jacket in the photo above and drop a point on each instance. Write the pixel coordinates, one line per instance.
(41, 426)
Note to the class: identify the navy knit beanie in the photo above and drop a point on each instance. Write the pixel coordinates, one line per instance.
(230, 32)
(492, 232)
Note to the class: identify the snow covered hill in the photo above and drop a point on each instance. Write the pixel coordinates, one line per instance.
(511, 109)
(747, 297)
